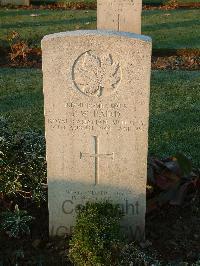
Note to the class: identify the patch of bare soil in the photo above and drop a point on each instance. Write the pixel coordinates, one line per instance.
(175, 232)
(33, 59)
(29, 57)
(173, 4)
(55, 6)
(173, 208)
(184, 62)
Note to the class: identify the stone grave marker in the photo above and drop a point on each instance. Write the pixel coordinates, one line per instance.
(15, 2)
(96, 92)
(119, 15)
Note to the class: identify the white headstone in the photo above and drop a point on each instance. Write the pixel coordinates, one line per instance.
(96, 91)
(119, 15)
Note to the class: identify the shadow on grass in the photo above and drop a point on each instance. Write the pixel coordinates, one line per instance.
(21, 100)
(168, 26)
(14, 13)
(33, 24)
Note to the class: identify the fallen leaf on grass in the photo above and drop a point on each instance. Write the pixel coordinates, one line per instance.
(34, 15)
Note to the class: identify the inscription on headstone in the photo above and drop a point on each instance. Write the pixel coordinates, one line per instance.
(119, 15)
(96, 91)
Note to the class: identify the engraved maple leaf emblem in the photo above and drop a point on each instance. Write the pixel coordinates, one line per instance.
(96, 75)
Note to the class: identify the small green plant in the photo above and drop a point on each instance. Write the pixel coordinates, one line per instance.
(23, 165)
(16, 223)
(97, 238)
(9, 183)
(133, 254)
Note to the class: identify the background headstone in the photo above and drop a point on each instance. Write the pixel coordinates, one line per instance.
(119, 15)
(15, 2)
(96, 91)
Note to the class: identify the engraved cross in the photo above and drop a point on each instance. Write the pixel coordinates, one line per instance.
(118, 22)
(96, 157)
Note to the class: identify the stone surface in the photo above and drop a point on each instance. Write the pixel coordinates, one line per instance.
(15, 2)
(119, 15)
(96, 91)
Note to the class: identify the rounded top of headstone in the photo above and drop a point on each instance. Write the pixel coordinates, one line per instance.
(108, 33)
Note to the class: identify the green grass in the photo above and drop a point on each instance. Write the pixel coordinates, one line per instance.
(32, 29)
(174, 113)
(174, 108)
(21, 97)
(175, 29)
